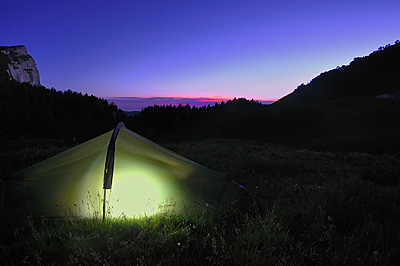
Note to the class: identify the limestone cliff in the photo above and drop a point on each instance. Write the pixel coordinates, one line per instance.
(20, 65)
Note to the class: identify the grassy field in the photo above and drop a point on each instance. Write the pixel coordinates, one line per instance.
(304, 208)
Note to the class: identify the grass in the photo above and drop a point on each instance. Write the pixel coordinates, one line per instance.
(167, 239)
(312, 208)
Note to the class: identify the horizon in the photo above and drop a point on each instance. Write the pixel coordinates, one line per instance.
(130, 104)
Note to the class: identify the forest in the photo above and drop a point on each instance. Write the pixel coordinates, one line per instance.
(35, 112)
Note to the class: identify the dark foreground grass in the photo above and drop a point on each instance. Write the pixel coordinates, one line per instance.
(201, 239)
(310, 208)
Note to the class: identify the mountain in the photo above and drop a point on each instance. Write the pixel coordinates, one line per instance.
(17, 64)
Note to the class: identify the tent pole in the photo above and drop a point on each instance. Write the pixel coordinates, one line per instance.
(104, 205)
(109, 165)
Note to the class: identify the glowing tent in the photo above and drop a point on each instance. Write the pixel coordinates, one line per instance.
(135, 175)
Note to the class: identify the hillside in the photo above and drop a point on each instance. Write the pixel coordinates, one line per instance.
(339, 109)
(370, 76)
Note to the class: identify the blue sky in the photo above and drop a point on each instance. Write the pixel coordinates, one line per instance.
(225, 49)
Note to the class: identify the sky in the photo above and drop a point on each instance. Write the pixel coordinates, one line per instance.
(214, 49)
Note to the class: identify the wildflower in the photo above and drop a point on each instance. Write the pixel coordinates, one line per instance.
(178, 244)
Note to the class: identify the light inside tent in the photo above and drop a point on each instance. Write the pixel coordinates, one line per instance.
(133, 195)
(141, 185)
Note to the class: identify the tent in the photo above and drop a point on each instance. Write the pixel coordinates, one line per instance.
(134, 175)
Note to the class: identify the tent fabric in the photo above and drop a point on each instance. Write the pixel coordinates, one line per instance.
(146, 177)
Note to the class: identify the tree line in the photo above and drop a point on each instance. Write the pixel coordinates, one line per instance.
(36, 112)
(32, 112)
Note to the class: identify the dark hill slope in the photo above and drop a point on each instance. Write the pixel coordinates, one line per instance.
(370, 76)
(338, 110)
(362, 124)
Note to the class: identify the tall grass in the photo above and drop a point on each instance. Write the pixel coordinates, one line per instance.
(312, 208)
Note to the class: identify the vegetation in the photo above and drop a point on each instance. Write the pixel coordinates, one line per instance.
(306, 208)
(34, 112)
(177, 123)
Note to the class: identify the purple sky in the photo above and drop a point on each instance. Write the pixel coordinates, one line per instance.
(207, 48)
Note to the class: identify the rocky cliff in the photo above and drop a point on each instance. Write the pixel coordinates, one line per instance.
(20, 65)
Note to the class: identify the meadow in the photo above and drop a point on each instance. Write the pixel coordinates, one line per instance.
(300, 207)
